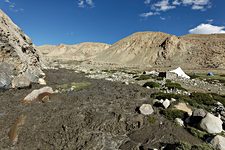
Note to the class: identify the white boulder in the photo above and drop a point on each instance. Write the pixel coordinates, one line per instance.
(218, 142)
(146, 109)
(166, 103)
(212, 124)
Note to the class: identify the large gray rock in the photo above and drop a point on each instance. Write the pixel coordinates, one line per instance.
(211, 124)
(6, 74)
(218, 142)
(5, 81)
(199, 113)
(21, 81)
(17, 50)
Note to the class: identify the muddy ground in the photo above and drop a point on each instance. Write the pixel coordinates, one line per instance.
(101, 116)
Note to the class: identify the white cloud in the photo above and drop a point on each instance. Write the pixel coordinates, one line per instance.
(195, 4)
(162, 6)
(12, 6)
(85, 3)
(207, 29)
(165, 5)
(145, 15)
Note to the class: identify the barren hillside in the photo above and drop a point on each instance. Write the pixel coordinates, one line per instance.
(77, 52)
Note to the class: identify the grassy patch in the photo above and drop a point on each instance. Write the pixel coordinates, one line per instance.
(197, 133)
(143, 77)
(219, 98)
(74, 86)
(202, 98)
(210, 79)
(109, 71)
(151, 119)
(197, 100)
(171, 85)
(172, 114)
(151, 84)
(161, 95)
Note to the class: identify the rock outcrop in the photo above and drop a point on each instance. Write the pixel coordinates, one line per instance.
(18, 52)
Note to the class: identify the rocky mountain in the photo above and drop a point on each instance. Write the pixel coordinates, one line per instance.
(163, 50)
(149, 49)
(18, 57)
(79, 52)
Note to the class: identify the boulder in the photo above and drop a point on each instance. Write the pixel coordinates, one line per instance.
(211, 124)
(166, 103)
(184, 107)
(6, 75)
(218, 142)
(21, 81)
(40, 95)
(199, 113)
(5, 81)
(146, 109)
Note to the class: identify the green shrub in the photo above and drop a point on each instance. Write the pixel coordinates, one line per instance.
(193, 76)
(172, 114)
(161, 95)
(171, 85)
(202, 98)
(197, 133)
(143, 77)
(219, 98)
(152, 84)
(151, 119)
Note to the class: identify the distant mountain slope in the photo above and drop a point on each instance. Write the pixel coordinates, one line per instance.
(79, 52)
(158, 49)
(149, 49)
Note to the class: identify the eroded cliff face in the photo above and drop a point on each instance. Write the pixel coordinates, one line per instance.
(18, 52)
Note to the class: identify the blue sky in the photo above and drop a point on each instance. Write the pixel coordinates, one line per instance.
(107, 21)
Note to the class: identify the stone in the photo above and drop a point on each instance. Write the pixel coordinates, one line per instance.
(42, 81)
(211, 124)
(21, 81)
(179, 121)
(39, 94)
(218, 142)
(199, 113)
(5, 81)
(6, 74)
(173, 100)
(166, 103)
(146, 109)
(183, 107)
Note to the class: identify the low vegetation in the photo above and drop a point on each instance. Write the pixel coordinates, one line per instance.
(197, 100)
(197, 133)
(151, 119)
(74, 86)
(151, 84)
(171, 85)
(172, 114)
(143, 77)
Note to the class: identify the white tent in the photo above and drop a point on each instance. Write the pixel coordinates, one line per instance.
(180, 73)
